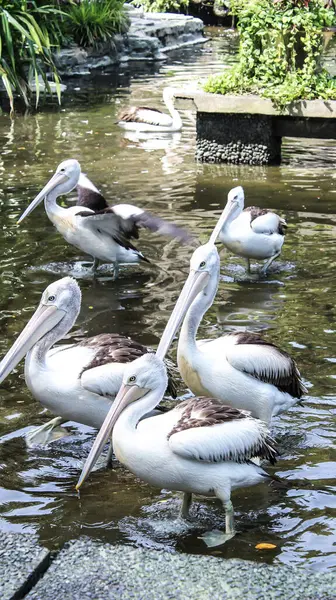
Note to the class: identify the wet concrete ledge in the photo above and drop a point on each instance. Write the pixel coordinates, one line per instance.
(248, 129)
(85, 569)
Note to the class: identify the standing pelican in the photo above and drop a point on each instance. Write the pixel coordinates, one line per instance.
(254, 233)
(104, 234)
(144, 119)
(199, 447)
(240, 369)
(76, 382)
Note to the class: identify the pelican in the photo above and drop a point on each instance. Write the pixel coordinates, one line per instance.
(199, 447)
(240, 369)
(253, 233)
(144, 119)
(104, 234)
(76, 382)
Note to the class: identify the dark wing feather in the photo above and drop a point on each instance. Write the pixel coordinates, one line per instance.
(148, 221)
(255, 211)
(112, 347)
(284, 373)
(133, 114)
(90, 199)
(207, 412)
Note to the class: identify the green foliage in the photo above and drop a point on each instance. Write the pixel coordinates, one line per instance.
(280, 51)
(93, 21)
(161, 5)
(27, 33)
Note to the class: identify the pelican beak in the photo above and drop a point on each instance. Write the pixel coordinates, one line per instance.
(42, 321)
(56, 180)
(126, 395)
(196, 282)
(227, 212)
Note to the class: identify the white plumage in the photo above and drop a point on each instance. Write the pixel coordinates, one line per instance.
(200, 447)
(253, 233)
(144, 119)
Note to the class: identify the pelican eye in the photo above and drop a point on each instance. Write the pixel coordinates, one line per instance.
(202, 264)
(132, 379)
(51, 298)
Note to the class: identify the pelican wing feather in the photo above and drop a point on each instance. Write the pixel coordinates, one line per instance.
(144, 114)
(107, 222)
(103, 374)
(265, 221)
(255, 356)
(209, 431)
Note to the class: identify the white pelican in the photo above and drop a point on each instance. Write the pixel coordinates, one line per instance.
(253, 233)
(199, 447)
(240, 369)
(104, 234)
(76, 382)
(144, 119)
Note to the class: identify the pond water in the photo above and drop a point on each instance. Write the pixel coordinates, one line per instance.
(294, 307)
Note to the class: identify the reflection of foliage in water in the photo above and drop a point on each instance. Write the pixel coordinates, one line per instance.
(280, 51)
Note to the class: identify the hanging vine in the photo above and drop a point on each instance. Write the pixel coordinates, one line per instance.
(280, 51)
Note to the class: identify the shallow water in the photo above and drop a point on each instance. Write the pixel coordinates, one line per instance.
(293, 306)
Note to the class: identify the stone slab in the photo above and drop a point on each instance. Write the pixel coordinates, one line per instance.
(22, 561)
(88, 570)
(254, 105)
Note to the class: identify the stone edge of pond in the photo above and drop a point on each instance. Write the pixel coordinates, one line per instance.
(89, 569)
(254, 105)
(149, 37)
(22, 561)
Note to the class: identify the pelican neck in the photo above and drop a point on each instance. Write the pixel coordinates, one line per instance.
(51, 207)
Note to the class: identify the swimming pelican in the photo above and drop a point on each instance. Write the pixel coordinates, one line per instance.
(240, 369)
(254, 233)
(199, 447)
(104, 234)
(144, 119)
(76, 382)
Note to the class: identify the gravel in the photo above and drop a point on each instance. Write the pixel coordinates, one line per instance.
(88, 570)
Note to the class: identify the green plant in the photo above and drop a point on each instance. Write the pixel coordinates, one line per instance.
(280, 51)
(93, 21)
(161, 5)
(26, 40)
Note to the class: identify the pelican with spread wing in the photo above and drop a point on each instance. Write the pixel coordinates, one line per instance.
(105, 234)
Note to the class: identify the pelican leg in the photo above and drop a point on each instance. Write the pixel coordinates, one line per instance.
(217, 538)
(186, 503)
(268, 263)
(43, 434)
(115, 270)
(95, 265)
(109, 462)
(248, 266)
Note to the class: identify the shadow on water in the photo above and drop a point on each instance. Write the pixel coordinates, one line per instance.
(294, 307)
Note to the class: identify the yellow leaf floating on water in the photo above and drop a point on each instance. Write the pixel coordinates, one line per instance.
(265, 546)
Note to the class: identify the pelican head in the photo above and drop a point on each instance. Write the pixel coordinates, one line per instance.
(204, 268)
(63, 181)
(233, 207)
(142, 376)
(60, 300)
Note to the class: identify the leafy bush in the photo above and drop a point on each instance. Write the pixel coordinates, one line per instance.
(26, 38)
(92, 21)
(160, 5)
(280, 51)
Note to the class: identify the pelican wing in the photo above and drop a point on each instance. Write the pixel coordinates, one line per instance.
(88, 195)
(103, 374)
(107, 222)
(144, 114)
(255, 356)
(265, 221)
(209, 431)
